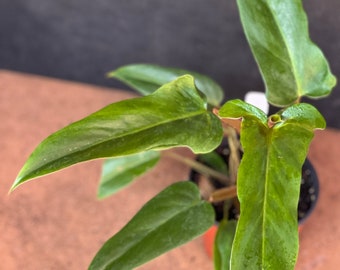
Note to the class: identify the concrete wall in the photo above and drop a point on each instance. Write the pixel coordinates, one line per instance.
(82, 40)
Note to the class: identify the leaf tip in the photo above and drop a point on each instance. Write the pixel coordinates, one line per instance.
(15, 184)
(20, 179)
(101, 196)
(110, 74)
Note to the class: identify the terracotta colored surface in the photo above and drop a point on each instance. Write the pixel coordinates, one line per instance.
(57, 222)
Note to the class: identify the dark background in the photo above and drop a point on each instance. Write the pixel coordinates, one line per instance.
(82, 40)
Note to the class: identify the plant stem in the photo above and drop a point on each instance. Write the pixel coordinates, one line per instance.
(234, 123)
(234, 157)
(223, 194)
(199, 167)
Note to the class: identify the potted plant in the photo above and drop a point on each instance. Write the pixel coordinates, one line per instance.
(183, 109)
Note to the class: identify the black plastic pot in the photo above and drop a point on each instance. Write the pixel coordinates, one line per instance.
(309, 190)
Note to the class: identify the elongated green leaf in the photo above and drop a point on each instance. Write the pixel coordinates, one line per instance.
(121, 171)
(146, 78)
(223, 244)
(291, 65)
(174, 115)
(172, 218)
(268, 184)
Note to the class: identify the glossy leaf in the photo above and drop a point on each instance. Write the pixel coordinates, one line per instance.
(146, 78)
(121, 171)
(172, 218)
(292, 66)
(223, 244)
(268, 183)
(174, 115)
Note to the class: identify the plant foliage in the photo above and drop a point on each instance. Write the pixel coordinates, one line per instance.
(177, 111)
(147, 78)
(175, 216)
(291, 64)
(268, 183)
(164, 119)
(119, 172)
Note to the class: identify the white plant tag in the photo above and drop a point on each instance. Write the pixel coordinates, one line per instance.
(257, 99)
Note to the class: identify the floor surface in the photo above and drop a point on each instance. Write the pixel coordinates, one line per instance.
(56, 222)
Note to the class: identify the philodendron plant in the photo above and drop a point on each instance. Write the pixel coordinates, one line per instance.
(183, 109)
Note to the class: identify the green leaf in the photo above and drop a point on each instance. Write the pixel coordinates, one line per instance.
(172, 218)
(146, 78)
(292, 66)
(223, 244)
(121, 171)
(214, 161)
(268, 184)
(174, 115)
